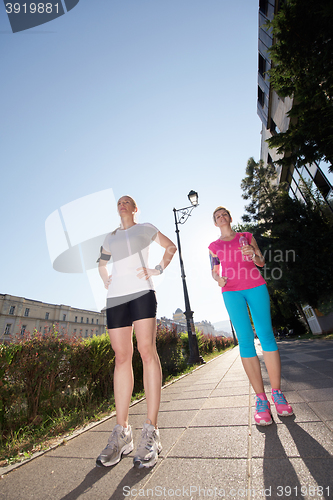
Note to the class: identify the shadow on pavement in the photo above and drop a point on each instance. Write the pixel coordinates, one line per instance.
(278, 470)
(133, 477)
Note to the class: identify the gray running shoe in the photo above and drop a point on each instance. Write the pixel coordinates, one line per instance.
(149, 447)
(119, 442)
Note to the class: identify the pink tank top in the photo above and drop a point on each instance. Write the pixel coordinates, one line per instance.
(241, 274)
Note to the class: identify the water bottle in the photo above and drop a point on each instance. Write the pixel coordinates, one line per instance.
(243, 241)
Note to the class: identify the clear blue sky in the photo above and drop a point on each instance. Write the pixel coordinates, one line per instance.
(150, 98)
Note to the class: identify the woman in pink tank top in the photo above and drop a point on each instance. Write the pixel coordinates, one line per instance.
(235, 258)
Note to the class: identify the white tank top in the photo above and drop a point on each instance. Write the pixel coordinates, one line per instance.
(129, 250)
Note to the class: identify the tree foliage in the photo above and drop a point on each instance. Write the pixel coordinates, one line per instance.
(260, 187)
(302, 68)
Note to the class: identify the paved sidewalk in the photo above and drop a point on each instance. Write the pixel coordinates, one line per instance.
(211, 447)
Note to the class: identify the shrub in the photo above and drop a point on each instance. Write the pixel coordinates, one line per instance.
(206, 343)
(169, 348)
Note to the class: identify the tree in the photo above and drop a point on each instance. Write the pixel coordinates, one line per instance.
(260, 187)
(302, 68)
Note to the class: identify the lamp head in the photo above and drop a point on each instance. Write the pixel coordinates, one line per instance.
(193, 197)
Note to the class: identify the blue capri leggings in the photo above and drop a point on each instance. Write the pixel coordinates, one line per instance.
(258, 300)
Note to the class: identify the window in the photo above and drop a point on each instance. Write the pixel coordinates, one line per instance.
(64, 317)
(74, 331)
(81, 319)
(75, 319)
(309, 313)
(23, 327)
(274, 129)
(87, 320)
(262, 66)
(92, 321)
(12, 309)
(47, 315)
(86, 334)
(263, 6)
(261, 97)
(26, 312)
(97, 321)
(7, 329)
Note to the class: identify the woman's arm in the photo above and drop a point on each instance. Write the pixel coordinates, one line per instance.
(102, 267)
(215, 265)
(257, 256)
(170, 250)
(252, 250)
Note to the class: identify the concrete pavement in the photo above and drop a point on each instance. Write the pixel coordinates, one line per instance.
(211, 446)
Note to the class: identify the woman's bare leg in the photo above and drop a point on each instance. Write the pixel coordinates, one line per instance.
(145, 331)
(122, 344)
(253, 371)
(273, 365)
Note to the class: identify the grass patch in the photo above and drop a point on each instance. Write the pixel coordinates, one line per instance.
(47, 431)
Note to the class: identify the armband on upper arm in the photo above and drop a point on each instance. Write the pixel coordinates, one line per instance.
(214, 261)
(103, 256)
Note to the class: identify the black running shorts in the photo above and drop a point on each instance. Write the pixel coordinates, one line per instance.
(136, 306)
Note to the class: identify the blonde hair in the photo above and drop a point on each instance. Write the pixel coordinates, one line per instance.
(220, 208)
(134, 205)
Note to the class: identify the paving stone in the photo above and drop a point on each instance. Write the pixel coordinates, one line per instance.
(221, 417)
(213, 442)
(226, 402)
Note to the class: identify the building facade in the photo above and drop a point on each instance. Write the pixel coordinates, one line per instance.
(272, 110)
(19, 315)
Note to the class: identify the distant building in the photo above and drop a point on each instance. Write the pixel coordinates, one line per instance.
(179, 319)
(179, 316)
(19, 315)
(205, 327)
(171, 324)
(272, 110)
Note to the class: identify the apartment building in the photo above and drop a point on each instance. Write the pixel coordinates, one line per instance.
(272, 110)
(19, 315)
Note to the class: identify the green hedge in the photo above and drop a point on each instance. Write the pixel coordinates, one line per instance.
(42, 375)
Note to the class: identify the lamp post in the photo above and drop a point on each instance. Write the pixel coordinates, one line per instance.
(181, 216)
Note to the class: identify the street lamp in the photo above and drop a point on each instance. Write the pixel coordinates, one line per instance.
(181, 216)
